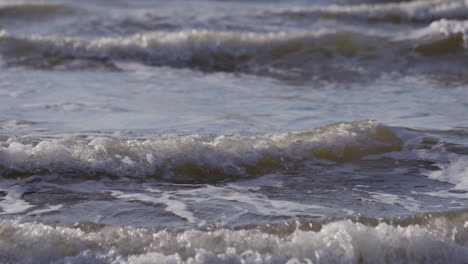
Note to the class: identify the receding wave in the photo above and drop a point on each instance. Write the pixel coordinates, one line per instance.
(411, 11)
(437, 239)
(259, 53)
(194, 157)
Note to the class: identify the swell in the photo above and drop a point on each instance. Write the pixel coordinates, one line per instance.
(190, 158)
(400, 12)
(437, 239)
(320, 53)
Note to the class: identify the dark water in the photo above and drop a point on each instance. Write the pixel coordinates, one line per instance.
(233, 131)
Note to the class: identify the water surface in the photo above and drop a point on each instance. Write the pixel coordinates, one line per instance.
(233, 131)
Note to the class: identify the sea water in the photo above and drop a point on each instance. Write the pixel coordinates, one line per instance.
(217, 131)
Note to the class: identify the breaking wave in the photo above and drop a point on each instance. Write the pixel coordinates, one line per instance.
(433, 239)
(262, 53)
(205, 50)
(408, 11)
(194, 157)
(199, 158)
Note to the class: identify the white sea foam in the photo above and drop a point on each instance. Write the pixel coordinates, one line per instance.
(247, 200)
(450, 28)
(408, 203)
(48, 209)
(172, 204)
(448, 166)
(13, 203)
(454, 171)
(440, 240)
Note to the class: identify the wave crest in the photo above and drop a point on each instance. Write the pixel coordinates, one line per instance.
(411, 11)
(188, 158)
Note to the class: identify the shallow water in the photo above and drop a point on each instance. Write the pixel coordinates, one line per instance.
(233, 131)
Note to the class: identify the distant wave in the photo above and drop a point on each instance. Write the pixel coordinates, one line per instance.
(28, 11)
(261, 53)
(409, 11)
